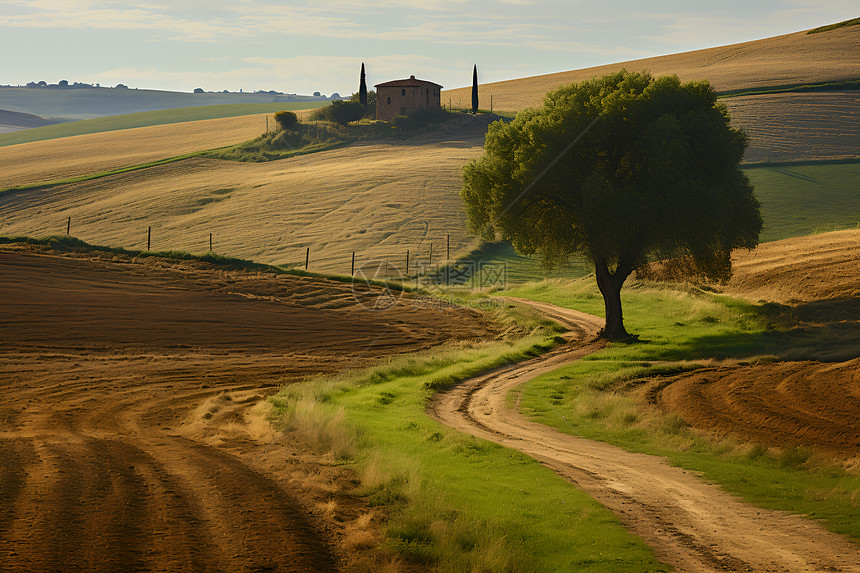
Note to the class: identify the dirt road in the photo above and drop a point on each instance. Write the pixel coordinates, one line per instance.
(125, 388)
(691, 525)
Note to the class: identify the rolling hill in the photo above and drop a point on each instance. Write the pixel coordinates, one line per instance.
(146, 119)
(381, 199)
(790, 59)
(376, 199)
(91, 103)
(14, 120)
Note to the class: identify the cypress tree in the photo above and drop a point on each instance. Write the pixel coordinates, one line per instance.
(362, 88)
(475, 89)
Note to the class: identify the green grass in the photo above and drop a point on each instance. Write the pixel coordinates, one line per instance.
(302, 139)
(851, 22)
(149, 118)
(802, 199)
(520, 268)
(321, 134)
(678, 330)
(455, 502)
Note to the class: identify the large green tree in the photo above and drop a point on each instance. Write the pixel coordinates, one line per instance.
(619, 168)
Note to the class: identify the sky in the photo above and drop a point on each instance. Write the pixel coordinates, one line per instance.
(308, 46)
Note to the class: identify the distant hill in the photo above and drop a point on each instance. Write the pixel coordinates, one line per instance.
(151, 118)
(102, 102)
(791, 59)
(12, 120)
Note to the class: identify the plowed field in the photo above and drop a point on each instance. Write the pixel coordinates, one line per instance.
(808, 403)
(782, 404)
(798, 126)
(126, 437)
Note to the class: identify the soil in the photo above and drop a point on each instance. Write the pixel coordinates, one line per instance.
(690, 524)
(806, 403)
(131, 432)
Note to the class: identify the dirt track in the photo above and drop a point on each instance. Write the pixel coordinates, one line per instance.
(690, 524)
(125, 438)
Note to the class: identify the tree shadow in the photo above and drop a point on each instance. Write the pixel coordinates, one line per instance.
(823, 330)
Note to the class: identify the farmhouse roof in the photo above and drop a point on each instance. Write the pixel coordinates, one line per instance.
(410, 83)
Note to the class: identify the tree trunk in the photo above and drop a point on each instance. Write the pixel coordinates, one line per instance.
(610, 287)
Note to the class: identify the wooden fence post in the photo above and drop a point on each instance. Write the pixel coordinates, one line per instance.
(430, 256)
(307, 256)
(148, 237)
(407, 262)
(352, 270)
(210, 242)
(448, 248)
(68, 226)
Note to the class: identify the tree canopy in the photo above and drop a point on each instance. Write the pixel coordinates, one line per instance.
(619, 168)
(286, 119)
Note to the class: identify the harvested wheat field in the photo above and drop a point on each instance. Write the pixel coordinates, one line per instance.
(813, 403)
(797, 58)
(79, 155)
(131, 437)
(802, 269)
(798, 126)
(377, 200)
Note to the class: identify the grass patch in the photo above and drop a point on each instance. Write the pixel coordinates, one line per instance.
(844, 23)
(517, 268)
(455, 502)
(677, 329)
(149, 118)
(802, 199)
(303, 139)
(313, 136)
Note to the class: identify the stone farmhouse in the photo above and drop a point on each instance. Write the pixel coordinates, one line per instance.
(400, 97)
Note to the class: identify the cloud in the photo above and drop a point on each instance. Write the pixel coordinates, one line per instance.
(83, 14)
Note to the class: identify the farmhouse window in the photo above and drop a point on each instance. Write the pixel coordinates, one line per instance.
(403, 92)
(389, 101)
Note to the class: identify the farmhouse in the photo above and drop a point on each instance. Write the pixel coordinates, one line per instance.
(404, 96)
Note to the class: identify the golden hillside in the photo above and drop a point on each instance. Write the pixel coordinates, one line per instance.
(78, 155)
(797, 58)
(375, 199)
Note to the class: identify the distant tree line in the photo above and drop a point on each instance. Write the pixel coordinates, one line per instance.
(64, 84)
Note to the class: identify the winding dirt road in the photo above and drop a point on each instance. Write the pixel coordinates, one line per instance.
(690, 524)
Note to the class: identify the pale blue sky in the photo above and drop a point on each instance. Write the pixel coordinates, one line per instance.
(302, 47)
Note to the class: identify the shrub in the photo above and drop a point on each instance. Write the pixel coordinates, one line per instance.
(340, 111)
(370, 108)
(286, 120)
